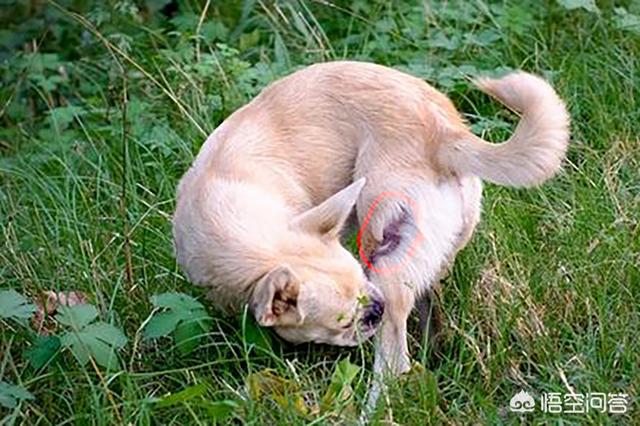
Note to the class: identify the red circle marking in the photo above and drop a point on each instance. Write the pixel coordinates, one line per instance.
(365, 223)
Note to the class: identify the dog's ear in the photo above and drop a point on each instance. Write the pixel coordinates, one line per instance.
(275, 298)
(329, 217)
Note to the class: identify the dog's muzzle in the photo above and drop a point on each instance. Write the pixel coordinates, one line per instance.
(373, 314)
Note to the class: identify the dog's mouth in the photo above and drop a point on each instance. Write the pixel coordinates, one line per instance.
(365, 323)
(372, 315)
(373, 311)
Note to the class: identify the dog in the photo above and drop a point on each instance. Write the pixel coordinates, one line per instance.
(260, 212)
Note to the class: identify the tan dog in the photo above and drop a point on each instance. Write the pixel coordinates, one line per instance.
(260, 211)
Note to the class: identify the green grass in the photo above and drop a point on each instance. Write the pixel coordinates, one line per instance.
(101, 112)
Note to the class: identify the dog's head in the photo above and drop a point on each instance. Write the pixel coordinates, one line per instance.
(322, 295)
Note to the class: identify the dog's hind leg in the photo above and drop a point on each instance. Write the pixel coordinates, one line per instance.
(430, 316)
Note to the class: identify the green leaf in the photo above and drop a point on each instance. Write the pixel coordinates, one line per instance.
(43, 350)
(176, 301)
(11, 394)
(108, 333)
(483, 38)
(86, 340)
(440, 39)
(187, 336)
(221, 410)
(185, 22)
(104, 354)
(256, 336)
(197, 395)
(249, 40)
(77, 316)
(99, 341)
(345, 372)
(627, 21)
(184, 395)
(161, 324)
(78, 346)
(340, 387)
(588, 5)
(61, 117)
(214, 30)
(15, 306)
(183, 316)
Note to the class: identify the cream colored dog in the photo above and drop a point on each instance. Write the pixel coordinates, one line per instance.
(260, 212)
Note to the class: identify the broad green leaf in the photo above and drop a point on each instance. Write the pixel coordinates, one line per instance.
(104, 354)
(49, 61)
(185, 22)
(183, 316)
(221, 410)
(483, 38)
(249, 40)
(340, 387)
(588, 5)
(214, 30)
(627, 21)
(176, 301)
(99, 341)
(61, 117)
(43, 350)
(78, 345)
(161, 324)
(184, 395)
(76, 316)
(197, 395)
(256, 336)
(345, 372)
(188, 335)
(15, 306)
(440, 39)
(108, 333)
(11, 394)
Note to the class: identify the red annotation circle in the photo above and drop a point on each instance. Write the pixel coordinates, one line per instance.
(414, 244)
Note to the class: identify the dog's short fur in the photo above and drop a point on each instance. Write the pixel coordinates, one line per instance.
(259, 213)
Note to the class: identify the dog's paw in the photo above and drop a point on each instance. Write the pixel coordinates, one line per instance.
(399, 364)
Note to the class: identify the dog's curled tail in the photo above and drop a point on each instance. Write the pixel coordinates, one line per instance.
(536, 149)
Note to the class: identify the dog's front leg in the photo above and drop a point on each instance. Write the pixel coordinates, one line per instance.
(391, 350)
(390, 234)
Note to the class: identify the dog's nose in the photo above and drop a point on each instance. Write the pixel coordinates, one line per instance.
(373, 314)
